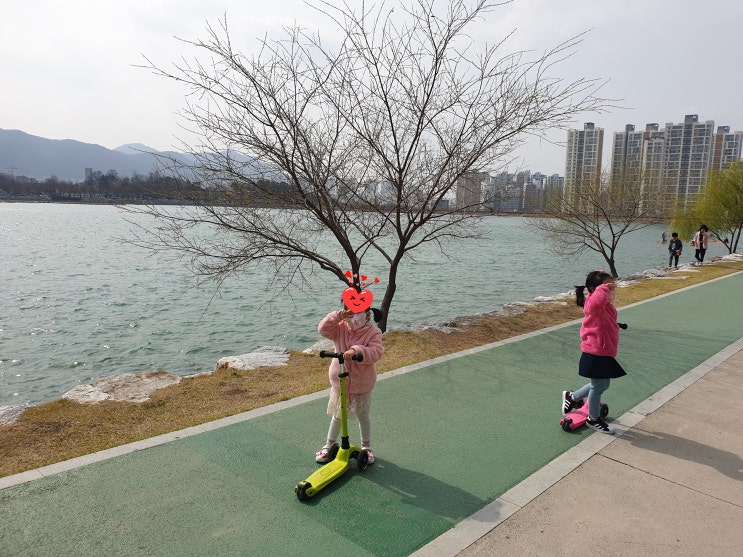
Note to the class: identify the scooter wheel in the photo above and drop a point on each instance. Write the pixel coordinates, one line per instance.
(566, 424)
(604, 410)
(333, 452)
(362, 460)
(301, 490)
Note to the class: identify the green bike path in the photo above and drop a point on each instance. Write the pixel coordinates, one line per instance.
(451, 436)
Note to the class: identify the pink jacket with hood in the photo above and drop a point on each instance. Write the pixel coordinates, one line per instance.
(599, 333)
(367, 341)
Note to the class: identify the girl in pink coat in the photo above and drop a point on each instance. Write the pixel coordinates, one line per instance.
(700, 242)
(599, 335)
(352, 333)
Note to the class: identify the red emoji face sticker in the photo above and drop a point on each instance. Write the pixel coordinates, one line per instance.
(357, 301)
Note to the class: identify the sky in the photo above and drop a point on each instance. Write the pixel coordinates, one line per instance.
(69, 69)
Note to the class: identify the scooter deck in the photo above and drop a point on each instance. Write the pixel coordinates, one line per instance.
(577, 417)
(328, 472)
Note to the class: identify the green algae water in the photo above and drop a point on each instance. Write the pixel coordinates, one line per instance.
(79, 304)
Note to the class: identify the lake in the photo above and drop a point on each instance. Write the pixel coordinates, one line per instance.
(79, 304)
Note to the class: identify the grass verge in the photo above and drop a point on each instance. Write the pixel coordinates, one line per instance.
(63, 429)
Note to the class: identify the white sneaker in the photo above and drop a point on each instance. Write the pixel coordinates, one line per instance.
(327, 453)
(600, 425)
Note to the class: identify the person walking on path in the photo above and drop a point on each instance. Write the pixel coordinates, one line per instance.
(674, 250)
(700, 242)
(352, 333)
(599, 335)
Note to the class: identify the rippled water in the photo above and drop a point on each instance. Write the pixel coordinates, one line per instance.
(78, 304)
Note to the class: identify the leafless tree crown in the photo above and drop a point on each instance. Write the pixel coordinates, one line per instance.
(367, 135)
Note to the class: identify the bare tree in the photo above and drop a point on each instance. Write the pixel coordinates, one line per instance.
(368, 137)
(596, 215)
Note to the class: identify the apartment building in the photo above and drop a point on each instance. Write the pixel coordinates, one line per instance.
(583, 158)
(671, 164)
(469, 190)
(727, 147)
(653, 143)
(687, 157)
(627, 156)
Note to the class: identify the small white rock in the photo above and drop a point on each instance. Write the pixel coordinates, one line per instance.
(264, 356)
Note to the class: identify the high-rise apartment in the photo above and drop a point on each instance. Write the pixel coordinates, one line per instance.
(583, 158)
(673, 163)
(627, 156)
(654, 141)
(470, 189)
(727, 147)
(687, 157)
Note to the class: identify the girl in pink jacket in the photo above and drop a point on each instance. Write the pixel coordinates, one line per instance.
(700, 242)
(352, 333)
(599, 335)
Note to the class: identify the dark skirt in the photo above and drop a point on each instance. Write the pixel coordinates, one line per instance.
(599, 367)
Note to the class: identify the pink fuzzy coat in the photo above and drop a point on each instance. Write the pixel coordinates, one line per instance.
(367, 341)
(599, 333)
(701, 239)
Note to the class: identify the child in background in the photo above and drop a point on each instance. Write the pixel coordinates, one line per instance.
(674, 250)
(599, 335)
(700, 242)
(352, 333)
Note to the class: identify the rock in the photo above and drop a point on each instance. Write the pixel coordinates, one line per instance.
(264, 356)
(322, 344)
(10, 414)
(128, 387)
(554, 300)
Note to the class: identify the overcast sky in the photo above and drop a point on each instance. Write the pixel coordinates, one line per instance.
(68, 68)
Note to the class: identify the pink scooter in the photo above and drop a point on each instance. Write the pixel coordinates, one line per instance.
(578, 416)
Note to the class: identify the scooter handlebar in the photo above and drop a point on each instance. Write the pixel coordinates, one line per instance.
(326, 354)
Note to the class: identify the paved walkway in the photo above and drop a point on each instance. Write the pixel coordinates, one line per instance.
(471, 460)
(670, 485)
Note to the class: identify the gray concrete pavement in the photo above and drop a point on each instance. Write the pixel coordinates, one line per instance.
(669, 485)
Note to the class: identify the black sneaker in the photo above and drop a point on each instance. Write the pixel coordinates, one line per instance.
(567, 402)
(600, 425)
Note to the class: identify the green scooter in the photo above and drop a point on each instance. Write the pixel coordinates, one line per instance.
(340, 457)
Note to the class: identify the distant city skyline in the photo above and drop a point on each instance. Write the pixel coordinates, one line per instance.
(671, 163)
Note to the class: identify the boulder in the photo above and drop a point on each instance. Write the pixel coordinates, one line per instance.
(322, 344)
(10, 414)
(264, 356)
(128, 387)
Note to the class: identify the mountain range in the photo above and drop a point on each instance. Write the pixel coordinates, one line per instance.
(22, 154)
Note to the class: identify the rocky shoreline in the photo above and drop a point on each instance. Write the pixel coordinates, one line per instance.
(137, 388)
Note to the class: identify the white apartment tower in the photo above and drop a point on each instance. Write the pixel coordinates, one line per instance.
(627, 156)
(654, 141)
(583, 158)
(687, 157)
(469, 190)
(727, 147)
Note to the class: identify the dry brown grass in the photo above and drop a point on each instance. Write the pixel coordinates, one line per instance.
(62, 429)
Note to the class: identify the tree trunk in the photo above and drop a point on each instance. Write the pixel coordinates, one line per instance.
(612, 267)
(389, 294)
